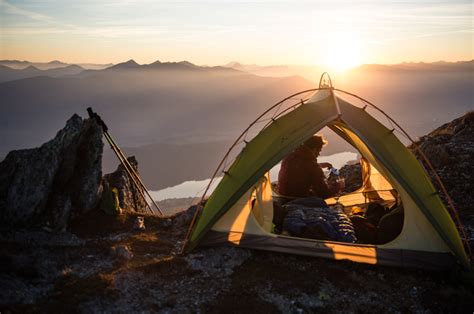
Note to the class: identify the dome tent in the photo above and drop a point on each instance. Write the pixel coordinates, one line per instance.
(239, 212)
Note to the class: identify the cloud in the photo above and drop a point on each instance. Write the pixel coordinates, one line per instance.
(11, 9)
(424, 35)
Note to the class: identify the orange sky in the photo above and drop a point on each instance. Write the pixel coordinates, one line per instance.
(339, 34)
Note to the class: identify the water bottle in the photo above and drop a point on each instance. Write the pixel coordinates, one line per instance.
(334, 171)
(339, 180)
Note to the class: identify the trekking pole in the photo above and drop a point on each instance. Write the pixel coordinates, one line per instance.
(124, 164)
(138, 183)
(122, 160)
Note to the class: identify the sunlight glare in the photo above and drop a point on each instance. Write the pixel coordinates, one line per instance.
(343, 51)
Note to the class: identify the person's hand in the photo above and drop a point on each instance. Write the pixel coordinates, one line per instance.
(341, 184)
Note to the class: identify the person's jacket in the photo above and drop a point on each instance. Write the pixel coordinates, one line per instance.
(301, 176)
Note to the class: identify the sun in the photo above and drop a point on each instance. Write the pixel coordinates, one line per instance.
(342, 52)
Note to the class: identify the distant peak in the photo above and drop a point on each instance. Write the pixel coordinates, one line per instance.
(126, 65)
(233, 64)
(131, 62)
(173, 66)
(55, 62)
(18, 61)
(187, 63)
(74, 66)
(31, 68)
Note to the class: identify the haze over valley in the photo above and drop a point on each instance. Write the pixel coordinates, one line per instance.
(179, 118)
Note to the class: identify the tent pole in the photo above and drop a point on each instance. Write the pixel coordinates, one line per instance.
(338, 109)
(328, 84)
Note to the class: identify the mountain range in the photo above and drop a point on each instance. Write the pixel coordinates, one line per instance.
(21, 64)
(179, 118)
(9, 74)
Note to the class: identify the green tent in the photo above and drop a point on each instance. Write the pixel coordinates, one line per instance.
(239, 212)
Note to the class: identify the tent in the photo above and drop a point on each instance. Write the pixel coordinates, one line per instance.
(239, 212)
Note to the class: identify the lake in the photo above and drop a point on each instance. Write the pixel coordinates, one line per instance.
(196, 188)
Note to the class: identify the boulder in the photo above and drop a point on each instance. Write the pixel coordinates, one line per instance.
(55, 182)
(130, 199)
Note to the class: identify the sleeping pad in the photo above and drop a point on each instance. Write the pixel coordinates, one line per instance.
(310, 217)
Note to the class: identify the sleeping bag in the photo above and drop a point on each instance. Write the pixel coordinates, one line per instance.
(310, 217)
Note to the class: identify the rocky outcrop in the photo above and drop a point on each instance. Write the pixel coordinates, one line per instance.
(130, 199)
(56, 182)
(450, 149)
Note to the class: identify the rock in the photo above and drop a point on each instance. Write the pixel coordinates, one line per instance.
(450, 149)
(56, 182)
(130, 199)
(166, 223)
(122, 252)
(439, 155)
(218, 262)
(39, 239)
(184, 218)
(139, 224)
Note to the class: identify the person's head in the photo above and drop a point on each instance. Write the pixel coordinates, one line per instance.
(315, 143)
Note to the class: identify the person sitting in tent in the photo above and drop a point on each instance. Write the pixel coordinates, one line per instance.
(301, 175)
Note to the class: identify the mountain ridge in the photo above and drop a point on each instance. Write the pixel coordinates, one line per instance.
(11, 74)
(151, 107)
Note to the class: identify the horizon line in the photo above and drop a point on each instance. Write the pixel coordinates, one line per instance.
(226, 64)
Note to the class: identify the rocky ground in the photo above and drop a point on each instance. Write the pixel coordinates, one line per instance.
(103, 264)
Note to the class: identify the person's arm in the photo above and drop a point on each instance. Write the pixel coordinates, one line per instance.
(325, 165)
(319, 186)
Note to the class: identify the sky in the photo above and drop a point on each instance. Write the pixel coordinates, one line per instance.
(344, 33)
